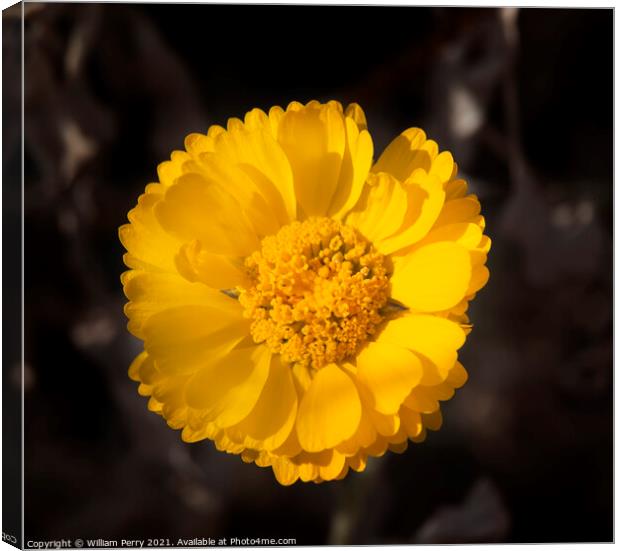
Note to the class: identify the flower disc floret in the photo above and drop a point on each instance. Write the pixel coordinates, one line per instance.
(318, 290)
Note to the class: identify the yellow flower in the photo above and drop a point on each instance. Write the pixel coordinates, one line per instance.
(299, 305)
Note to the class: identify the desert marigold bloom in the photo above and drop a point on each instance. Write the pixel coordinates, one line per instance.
(300, 305)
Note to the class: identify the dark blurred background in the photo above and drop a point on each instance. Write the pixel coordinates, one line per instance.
(523, 99)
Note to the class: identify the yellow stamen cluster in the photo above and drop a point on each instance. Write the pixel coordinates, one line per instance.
(318, 288)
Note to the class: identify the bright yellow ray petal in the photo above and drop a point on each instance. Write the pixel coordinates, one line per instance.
(261, 158)
(480, 278)
(254, 195)
(355, 167)
(228, 390)
(215, 270)
(169, 171)
(406, 153)
(269, 424)
(389, 372)
(285, 472)
(196, 144)
(357, 462)
(381, 208)
(365, 434)
(385, 425)
(425, 199)
(432, 338)
(457, 376)
(421, 400)
(442, 166)
(411, 422)
(355, 112)
(148, 245)
(432, 421)
(464, 209)
(185, 338)
(330, 410)
(256, 119)
(196, 209)
(134, 368)
(455, 189)
(432, 278)
(333, 468)
(313, 139)
(465, 234)
(276, 114)
(152, 292)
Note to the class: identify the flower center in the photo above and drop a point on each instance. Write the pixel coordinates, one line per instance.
(318, 287)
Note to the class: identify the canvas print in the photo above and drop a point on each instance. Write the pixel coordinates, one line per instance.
(297, 275)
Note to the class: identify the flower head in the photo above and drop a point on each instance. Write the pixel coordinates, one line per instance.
(299, 305)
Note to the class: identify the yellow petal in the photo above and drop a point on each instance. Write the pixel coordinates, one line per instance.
(257, 153)
(378, 447)
(256, 119)
(485, 244)
(264, 459)
(421, 400)
(286, 473)
(405, 154)
(432, 278)
(425, 198)
(256, 198)
(465, 234)
(228, 390)
(479, 279)
(465, 209)
(389, 372)
(330, 410)
(333, 468)
(386, 425)
(196, 209)
(148, 245)
(442, 166)
(432, 421)
(134, 368)
(433, 339)
(185, 338)
(153, 292)
(381, 208)
(355, 112)
(365, 434)
(276, 115)
(313, 139)
(308, 471)
(436, 392)
(457, 376)
(411, 422)
(233, 124)
(332, 103)
(355, 167)
(170, 392)
(399, 447)
(215, 130)
(383, 424)
(455, 189)
(269, 424)
(218, 271)
(196, 144)
(421, 437)
(357, 462)
(169, 171)
(290, 447)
